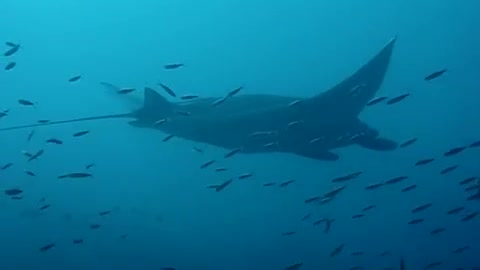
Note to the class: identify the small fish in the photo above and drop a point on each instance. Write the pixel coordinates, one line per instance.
(307, 216)
(397, 99)
(286, 183)
(261, 134)
(13, 192)
(233, 152)
(10, 65)
(294, 123)
(26, 102)
(77, 241)
(357, 216)
(368, 208)
(407, 143)
(435, 75)
(396, 180)
(293, 103)
(432, 265)
(334, 192)
(27, 154)
(168, 138)
(43, 121)
(313, 199)
(168, 90)
(471, 188)
(75, 78)
(270, 184)
(454, 151)
(455, 210)
(13, 49)
(88, 166)
(411, 187)
(81, 133)
(125, 91)
(316, 140)
(424, 161)
(54, 141)
(188, 97)
(474, 197)
(75, 175)
(376, 100)
(123, 236)
(196, 149)
(159, 122)
(206, 164)
(288, 233)
(470, 216)
(222, 186)
(383, 254)
(449, 169)
(437, 231)
(6, 166)
(296, 266)
(326, 200)
(461, 249)
(373, 186)
(421, 207)
(16, 197)
(245, 175)
(173, 66)
(234, 91)
(337, 250)
(30, 135)
(468, 180)
(219, 101)
(416, 221)
(103, 213)
(221, 169)
(36, 155)
(30, 173)
(44, 207)
(47, 247)
(475, 144)
(95, 226)
(346, 177)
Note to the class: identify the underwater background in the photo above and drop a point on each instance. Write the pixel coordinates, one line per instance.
(163, 216)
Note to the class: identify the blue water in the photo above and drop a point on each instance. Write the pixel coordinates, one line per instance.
(156, 191)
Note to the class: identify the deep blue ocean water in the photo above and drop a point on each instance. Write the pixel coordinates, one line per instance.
(162, 214)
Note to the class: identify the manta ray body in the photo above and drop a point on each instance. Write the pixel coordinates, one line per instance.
(310, 127)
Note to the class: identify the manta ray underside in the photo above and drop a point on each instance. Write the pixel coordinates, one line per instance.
(309, 127)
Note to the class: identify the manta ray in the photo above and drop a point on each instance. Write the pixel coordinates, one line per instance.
(259, 123)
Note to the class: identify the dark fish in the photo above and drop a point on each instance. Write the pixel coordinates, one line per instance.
(219, 101)
(397, 99)
(44, 207)
(188, 97)
(222, 186)
(357, 253)
(270, 184)
(346, 177)
(77, 241)
(74, 78)
(232, 152)
(166, 139)
(461, 249)
(424, 161)
(435, 75)
(288, 233)
(234, 91)
(43, 121)
(88, 166)
(337, 250)
(10, 44)
(376, 101)
(416, 221)
(471, 188)
(455, 210)
(407, 143)
(95, 226)
(396, 180)
(75, 175)
(313, 199)
(432, 265)
(296, 266)
(13, 49)
(46, 247)
(454, 151)
(468, 180)
(307, 216)
(103, 213)
(123, 236)
(449, 169)
(357, 216)
(368, 208)
(30, 135)
(173, 66)
(81, 133)
(475, 144)
(206, 164)
(168, 90)
(16, 197)
(409, 188)
(473, 197)
(421, 207)
(30, 173)
(54, 141)
(36, 155)
(25, 102)
(221, 169)
(245, 175)
(470, 216)
(437, 231)
(13, 192)
(125, 91)
(333, 192)
(373, 186)
(328, 225)
(286, 183)
(10, 65)
(6, 166)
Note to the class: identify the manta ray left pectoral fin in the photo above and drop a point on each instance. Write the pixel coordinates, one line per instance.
(376, 143)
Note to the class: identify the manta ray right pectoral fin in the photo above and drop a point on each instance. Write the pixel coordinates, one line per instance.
(376, 143)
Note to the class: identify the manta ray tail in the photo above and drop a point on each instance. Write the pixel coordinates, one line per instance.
(110, 116)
